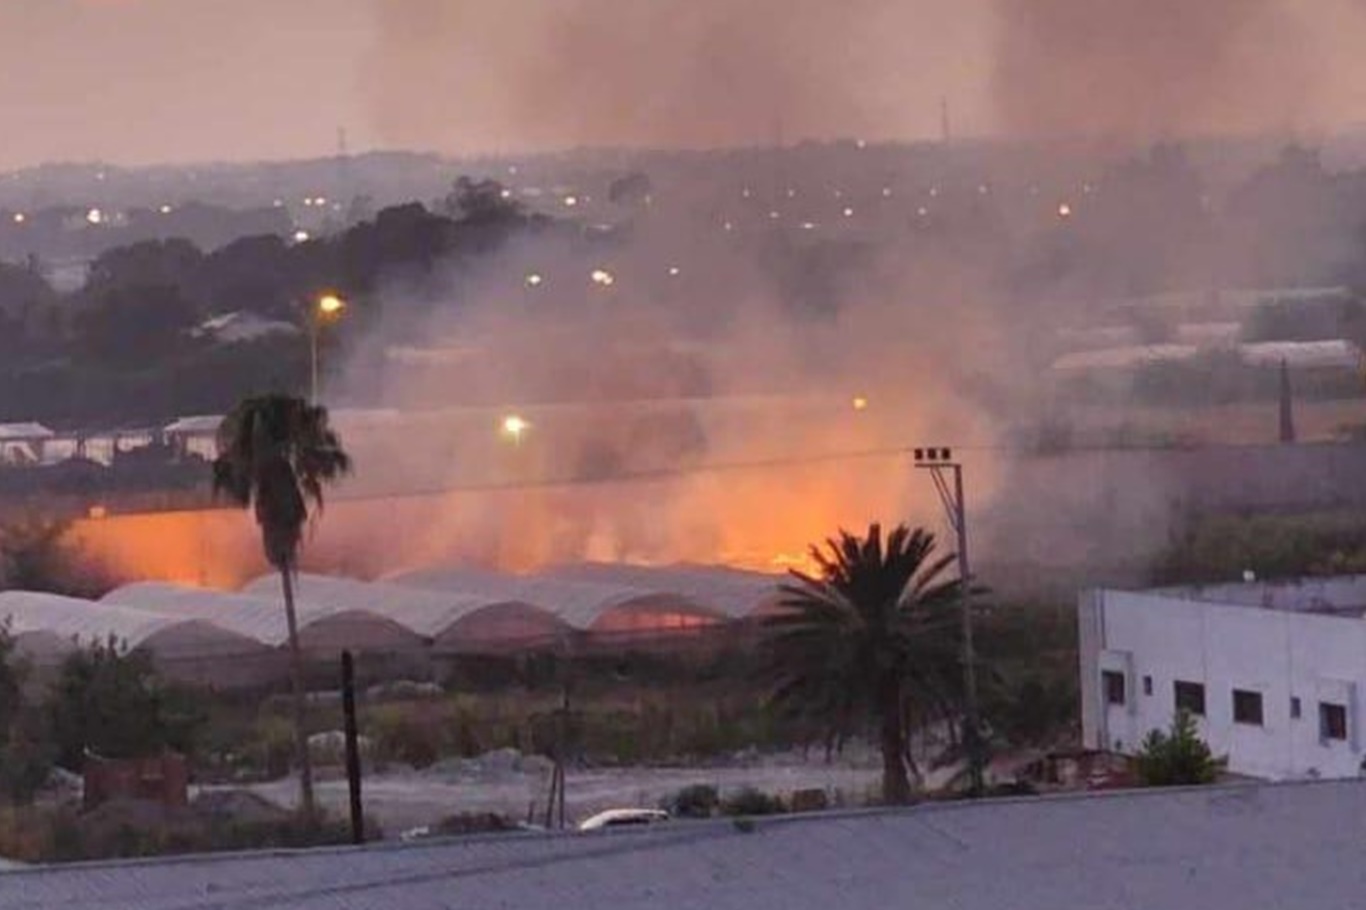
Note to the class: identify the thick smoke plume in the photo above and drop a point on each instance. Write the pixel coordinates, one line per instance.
(1151, 69)
(561, 73)
(460, 74)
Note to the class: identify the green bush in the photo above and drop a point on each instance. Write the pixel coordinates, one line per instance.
(1176, 759)
(112, 701)
(270, 751)
(695, 801)
(403, 734)
(752, 801)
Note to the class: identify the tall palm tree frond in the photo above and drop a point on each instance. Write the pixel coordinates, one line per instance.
(876, 624)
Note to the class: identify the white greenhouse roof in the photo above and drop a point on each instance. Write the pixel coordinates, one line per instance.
(88, 621)
(24, 431)
(197, 423)
(733, 592)
(1126, 357)
(427, 613)
(1337, 353)
(261, 618)
(578, 603)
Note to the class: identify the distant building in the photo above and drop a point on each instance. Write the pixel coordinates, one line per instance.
(1273, 673)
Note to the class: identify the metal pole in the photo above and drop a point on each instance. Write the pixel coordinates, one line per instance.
(313, 356)
(974, 738)
(352, 747)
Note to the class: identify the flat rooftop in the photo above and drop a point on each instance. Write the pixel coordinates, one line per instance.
(1249, 847)
(1339, 595)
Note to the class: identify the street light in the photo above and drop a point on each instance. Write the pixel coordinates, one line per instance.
(514, 427)
(325, 308)
(939, 462)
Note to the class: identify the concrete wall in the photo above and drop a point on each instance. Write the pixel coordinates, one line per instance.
(1277, 653)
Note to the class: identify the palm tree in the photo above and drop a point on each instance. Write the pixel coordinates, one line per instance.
(275, 452)
(869, 634)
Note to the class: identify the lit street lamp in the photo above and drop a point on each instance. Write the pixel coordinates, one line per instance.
(326, 308)
(939, 462)
(515, 427)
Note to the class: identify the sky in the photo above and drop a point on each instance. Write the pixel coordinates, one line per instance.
(144, 81)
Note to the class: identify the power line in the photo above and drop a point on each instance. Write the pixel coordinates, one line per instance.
(718, 467)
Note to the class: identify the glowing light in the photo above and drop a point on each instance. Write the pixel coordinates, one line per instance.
(727, 226)
(848, 212)
(791, 193)
(773, 216)
(745, 192)
(95, 216)
(922, 211)
(300, 236)
(277, 203)
(886, 192)
(860, 403)
(534, 279)
(330, 305)
(674, 271)
(808, 225)
(165, 209)
(860, 144)
(571, 201)
(934, 191)
(1064, 210)
(603, 277)
(320, 200)
(505, 193)
(514, 427)
(97, 513)
(20, 217)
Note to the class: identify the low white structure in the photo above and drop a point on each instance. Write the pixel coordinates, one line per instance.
(1274, 673)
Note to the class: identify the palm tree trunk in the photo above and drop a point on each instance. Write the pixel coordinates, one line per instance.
(296, 681)
(896, 787)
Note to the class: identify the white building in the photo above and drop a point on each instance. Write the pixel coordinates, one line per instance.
(1274, 673)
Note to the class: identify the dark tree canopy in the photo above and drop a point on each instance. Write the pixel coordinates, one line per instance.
(866, 636)
(275, 454)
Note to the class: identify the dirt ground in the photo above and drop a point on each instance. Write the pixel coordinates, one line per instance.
(403, 799)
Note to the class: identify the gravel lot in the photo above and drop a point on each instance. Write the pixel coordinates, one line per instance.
(401, 799)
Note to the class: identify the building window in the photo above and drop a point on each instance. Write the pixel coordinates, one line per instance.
(1114, 687)
(1190, 696)
(1247, 707)
(1294, 707)
(1147, 685)
(1332, 721)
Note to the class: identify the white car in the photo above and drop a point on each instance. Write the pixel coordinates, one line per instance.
(623, 818)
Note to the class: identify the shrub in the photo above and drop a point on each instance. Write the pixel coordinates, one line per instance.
(25, 754)
(752, 801)
(695, 801)
(1179, 758)
(114, 702)
(402, 735)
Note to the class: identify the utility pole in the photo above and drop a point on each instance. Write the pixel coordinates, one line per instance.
(939, 462)
(348, 671)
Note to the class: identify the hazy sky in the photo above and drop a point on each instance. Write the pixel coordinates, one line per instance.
(177, 80)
